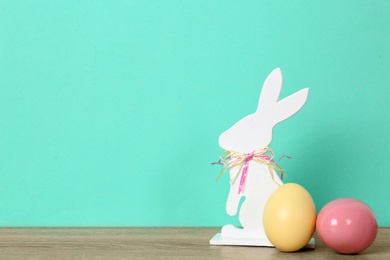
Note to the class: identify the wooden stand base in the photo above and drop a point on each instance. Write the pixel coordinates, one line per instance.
(227, 241)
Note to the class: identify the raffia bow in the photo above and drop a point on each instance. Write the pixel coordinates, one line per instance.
(230, 159)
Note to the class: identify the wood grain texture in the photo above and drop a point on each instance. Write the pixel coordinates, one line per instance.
(153, 243)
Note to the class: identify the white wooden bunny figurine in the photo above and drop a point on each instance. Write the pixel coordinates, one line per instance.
(252, 170)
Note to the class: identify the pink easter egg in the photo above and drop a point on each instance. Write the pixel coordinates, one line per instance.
(347, 225)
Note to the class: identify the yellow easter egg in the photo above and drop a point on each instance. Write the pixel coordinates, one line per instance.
(289, 217)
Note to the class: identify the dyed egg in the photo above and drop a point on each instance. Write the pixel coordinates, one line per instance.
(347, 225)
(289, 217)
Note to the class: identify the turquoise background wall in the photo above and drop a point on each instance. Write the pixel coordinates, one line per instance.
(110, 111)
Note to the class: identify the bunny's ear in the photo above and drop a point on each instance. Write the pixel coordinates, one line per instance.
(290, 105)
(271, 90)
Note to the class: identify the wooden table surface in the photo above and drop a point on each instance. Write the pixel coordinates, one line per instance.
(154, 243)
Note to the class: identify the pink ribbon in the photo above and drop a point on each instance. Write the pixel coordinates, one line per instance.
(233, 159)
(244, 173)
